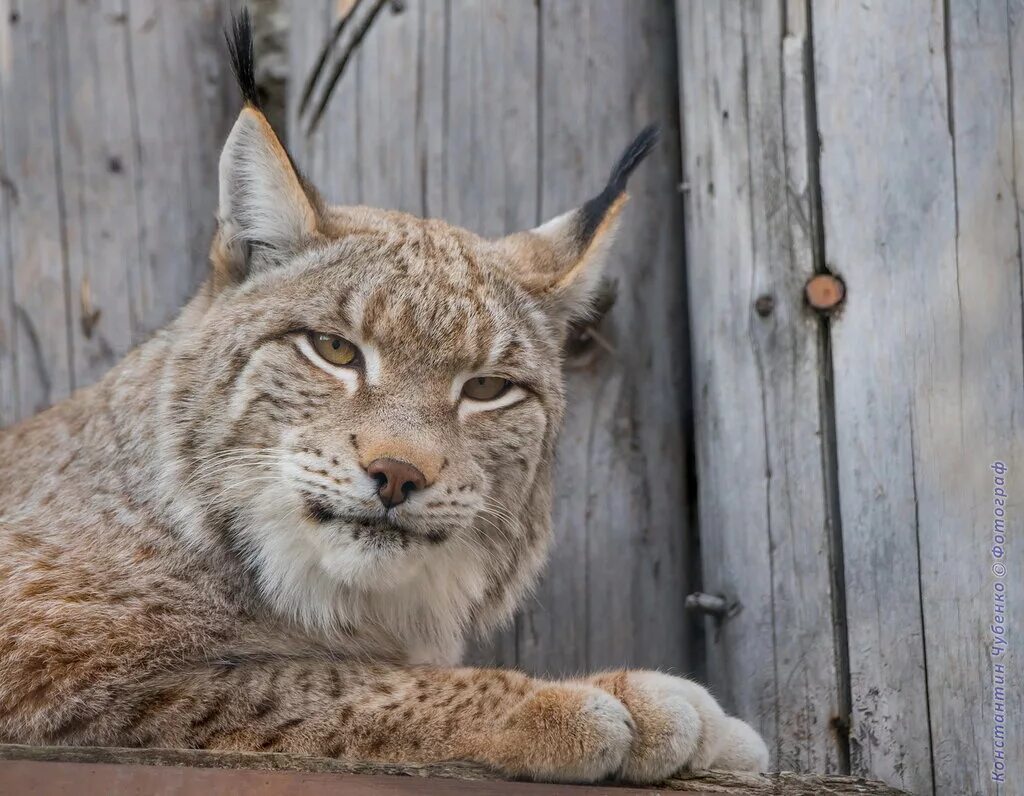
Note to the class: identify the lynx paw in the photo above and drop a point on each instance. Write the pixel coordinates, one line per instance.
(565, 733)
(678, 724)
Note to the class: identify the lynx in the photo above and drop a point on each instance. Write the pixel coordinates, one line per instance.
(271, 526)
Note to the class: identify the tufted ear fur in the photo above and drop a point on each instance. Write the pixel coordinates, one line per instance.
(562, 260)
(266, 210)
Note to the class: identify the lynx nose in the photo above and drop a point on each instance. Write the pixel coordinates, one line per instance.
(395, 480)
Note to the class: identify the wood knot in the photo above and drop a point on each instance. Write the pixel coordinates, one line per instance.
(825, 292)
(764, 305)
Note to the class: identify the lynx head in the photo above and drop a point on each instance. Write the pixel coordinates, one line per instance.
(366, 400)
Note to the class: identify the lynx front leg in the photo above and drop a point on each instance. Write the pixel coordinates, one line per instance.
(571, 732)
(523, 727)
(631, 725)
(638, 726)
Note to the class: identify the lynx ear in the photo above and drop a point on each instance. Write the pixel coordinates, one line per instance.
(561, 261)
(266, 210)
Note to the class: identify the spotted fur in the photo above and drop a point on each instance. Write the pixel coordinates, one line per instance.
(192, 553)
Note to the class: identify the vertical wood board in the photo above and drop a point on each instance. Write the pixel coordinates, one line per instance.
(109, 150)
(38, 334)
(888, 199)
(766, 539)
(971, 400)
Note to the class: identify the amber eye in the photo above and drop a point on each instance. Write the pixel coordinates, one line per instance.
(485, 388)
(336, 350)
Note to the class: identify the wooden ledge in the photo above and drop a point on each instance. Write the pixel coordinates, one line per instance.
(85, 771)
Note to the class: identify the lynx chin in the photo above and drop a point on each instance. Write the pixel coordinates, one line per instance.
(271, 526)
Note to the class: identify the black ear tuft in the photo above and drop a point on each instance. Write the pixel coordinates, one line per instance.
(242, 60)
(630, 159)
(593, 212)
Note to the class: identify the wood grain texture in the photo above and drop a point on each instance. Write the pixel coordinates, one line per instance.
(497, 116)
(39, 331)
(766, 539)
(387, 83)
(8, 196)
(920, 219)
(621, 510)
(968, 403)
(182, 114)
(887, 197)
(98, 179)
(161, 771)
(336, 166)
(110, 144)
(492, 100)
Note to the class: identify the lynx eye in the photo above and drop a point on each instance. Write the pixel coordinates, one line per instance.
(486, 388)
(336, 350)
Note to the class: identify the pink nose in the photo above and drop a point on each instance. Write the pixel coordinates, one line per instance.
(395, 480)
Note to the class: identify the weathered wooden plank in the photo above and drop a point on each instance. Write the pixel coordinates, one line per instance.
(766, 538)
(98, 179)
(107, 770)
(308, 29)
(650, 452)
(8, 195)
(730, 449)
(433, 100)
(492, 97)
(380, 139)
(110, 144)
(811, 647)
(1013, 439)
(887, 187)
(181, 111)
(388, 94)
(35, 243)
(969, 408)
(617, 576)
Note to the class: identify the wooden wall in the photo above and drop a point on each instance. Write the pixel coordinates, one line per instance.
(844, 462)
(112, 115)
(498, 116)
